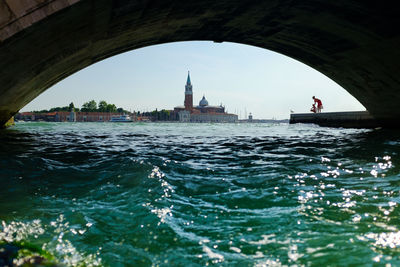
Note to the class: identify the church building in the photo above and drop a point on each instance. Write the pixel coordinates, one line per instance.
(203, 112)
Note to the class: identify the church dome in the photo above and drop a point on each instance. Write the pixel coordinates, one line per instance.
(203, 102)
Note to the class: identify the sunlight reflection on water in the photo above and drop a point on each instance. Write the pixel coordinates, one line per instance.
(175, 194)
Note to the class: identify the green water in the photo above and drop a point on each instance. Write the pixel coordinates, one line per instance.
(202, 194)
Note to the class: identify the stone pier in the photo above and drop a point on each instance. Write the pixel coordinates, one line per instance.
(349, 119)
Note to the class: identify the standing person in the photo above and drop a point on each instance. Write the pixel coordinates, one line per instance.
(319, 104)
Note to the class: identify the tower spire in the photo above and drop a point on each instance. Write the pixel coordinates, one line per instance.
(188, 79)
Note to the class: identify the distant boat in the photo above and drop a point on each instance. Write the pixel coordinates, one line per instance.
(121, 118)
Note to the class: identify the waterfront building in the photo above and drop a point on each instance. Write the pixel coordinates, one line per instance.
(72, 116)
(203, 112)
(86, 116)
(67, 116)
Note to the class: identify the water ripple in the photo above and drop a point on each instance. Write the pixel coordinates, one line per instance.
(199, 194)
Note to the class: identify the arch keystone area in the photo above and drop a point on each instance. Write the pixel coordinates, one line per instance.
(355, 43)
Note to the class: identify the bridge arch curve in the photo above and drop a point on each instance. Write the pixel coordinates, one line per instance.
(353, 42)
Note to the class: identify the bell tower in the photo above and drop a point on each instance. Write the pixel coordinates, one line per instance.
(188, 94)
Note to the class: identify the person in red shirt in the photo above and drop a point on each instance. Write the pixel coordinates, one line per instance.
(319, 104)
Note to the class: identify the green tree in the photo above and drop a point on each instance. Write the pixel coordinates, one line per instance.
(71, 107)
(103, 106)
(41, 111)
(165, 115)
(89, 106)
(66, 108)
(111, 108)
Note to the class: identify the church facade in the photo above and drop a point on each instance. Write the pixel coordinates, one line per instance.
(202, 112)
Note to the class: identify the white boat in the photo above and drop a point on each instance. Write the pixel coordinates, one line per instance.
(121, 118)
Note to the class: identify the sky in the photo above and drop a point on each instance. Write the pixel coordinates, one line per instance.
(243, 78)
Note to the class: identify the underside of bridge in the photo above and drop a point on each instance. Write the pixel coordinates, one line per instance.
(355, 43)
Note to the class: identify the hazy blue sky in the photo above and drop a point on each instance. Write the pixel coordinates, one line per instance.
(241, 77)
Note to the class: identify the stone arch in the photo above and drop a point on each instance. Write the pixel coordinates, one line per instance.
(353, 42)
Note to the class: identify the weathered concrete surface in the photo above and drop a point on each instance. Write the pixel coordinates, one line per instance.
(349, 119)
(9, 123)
(354, 42)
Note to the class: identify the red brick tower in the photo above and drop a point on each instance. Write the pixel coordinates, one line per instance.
(188, 94)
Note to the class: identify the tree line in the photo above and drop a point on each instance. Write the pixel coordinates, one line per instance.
(103, 106)
(90, 106)
(158, 115)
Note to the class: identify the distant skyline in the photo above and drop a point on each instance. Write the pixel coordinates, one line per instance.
(241, 77)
